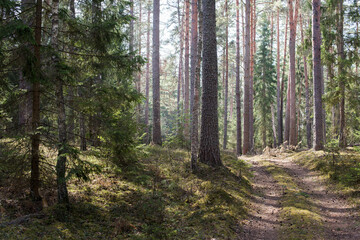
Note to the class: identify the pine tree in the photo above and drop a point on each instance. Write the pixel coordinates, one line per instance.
(209, 151)
(264, 82)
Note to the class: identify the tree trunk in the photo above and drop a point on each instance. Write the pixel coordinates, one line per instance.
(209, 152)
(238, 97)
(247, 144)
(71, 94)
(278, 105)
(147, 80)
(341, 72)
(82, 122)
(287, 113)
(280, 120)
(196, 49)
(292, 45)
(180, 79)
(252, 61)
(138, 82)
(24, 120)
(307, 93)
(186, 72)
(317, 76)
(35, 122)
(131, 29)
(226, 89)
(62, 144)
(156, 73)
(273, 125)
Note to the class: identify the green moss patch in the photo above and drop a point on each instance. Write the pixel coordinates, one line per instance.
(157, 197)
(299, 218)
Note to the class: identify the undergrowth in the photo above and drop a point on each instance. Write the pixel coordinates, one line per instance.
(340, 168)
(157, 197)
(299, 218)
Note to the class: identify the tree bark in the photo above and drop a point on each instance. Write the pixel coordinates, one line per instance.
(317, 76)
(247, 81)
(147, 76)
(226, 89)
(186, 70)
(195, 76)
(280, 121)
(35, 122)
(252, 61)
(307, 93)
(71, 94)
(278, 90)
(209, 151)
(24, 120)
(156, 73)
(237, 86)
(292, 45)
(341, 72)
(63, 197)
(238, 96)
(180, 78)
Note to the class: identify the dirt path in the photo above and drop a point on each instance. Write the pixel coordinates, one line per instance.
(339, 219)
(263, 220)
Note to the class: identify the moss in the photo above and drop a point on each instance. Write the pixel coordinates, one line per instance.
(342, 172)
(157, 197)
(299, 217)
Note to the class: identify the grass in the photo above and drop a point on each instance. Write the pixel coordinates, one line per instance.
(341, 171)
(299, 218)
(157, 197)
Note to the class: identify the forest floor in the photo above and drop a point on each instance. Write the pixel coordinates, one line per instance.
(277, 195)
(156, 197)
(301, 196)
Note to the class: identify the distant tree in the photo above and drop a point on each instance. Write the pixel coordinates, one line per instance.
(226, 87)
(246, 139)
(238, 97)
(156, 73)
(264, 82)
(196, 50)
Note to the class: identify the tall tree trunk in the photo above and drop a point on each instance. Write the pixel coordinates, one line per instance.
(186, 72)
(180, 78)
(82, 122)
(287, 113)
(292, 44)
(247, 81)
(238, 97)
(341, 72)
(307, 93)
(209, 151)
(138, 82)
(273, 122)
(71, 94)
(226, 90)
(196, 49)
(280, 121)
(63, 197)
(252, 61)
(317, 76)
(278, 105)
(24, 120)
(156, 73)
(35, 122)
(147, 80)
(131, 29)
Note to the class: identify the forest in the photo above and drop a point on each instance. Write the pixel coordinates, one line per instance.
(180, 119)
